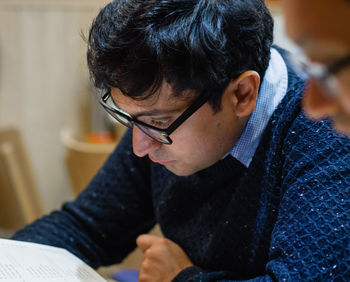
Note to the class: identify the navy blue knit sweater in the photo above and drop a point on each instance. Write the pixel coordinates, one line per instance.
(284, 218)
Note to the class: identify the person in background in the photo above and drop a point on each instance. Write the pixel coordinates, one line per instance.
(219, 153)
(322, 29)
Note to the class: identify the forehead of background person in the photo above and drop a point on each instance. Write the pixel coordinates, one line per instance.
(319, 19)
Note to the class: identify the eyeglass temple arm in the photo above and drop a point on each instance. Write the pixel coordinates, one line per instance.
(188, 112)
(339, 65)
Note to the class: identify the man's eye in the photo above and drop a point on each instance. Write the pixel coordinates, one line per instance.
(159, 123)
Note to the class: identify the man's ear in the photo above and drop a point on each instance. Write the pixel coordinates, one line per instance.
(245, 90)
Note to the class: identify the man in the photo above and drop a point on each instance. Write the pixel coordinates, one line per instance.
(321, 28)
(242, 184)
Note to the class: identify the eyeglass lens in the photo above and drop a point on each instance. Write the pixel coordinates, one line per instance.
(153, 133)
(127, 122)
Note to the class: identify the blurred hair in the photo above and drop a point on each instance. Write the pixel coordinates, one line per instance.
(197, 45)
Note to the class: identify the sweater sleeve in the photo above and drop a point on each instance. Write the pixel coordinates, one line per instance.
(310, 240)
(101, 225)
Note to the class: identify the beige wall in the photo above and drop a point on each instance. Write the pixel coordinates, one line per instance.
(43, 79)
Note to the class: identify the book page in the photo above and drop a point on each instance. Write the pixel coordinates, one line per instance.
(30, 262)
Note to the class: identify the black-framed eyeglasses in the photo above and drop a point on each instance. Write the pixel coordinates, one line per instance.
(324, 74)
(160, 135)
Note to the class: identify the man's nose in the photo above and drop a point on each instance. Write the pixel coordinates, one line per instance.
(143, 144)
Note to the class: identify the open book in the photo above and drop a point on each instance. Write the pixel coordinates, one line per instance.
(30, 262)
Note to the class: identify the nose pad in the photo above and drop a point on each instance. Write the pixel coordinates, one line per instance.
(143, 144)
(317, 103)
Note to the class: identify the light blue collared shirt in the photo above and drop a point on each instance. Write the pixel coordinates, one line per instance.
(272, 91)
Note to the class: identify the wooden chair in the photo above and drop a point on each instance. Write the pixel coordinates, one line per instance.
(83, 159)
(20, 201)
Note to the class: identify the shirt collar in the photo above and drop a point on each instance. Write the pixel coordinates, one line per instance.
(272, 91)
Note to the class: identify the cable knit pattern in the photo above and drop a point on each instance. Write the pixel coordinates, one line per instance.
(284, 218)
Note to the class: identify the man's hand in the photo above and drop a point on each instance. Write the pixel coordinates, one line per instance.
(162, 259)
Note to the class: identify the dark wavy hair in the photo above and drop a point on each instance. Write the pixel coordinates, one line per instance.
(197, 45)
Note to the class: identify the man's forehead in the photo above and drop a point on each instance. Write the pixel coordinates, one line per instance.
(166, 92)
(322, 49)
(326, 19)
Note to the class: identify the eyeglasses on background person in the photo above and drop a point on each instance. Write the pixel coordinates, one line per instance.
(322, 74)
(158, 134)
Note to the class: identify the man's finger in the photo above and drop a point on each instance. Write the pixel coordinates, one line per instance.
(145, 241)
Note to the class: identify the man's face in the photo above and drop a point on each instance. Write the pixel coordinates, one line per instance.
(202, 140)
(321, 28)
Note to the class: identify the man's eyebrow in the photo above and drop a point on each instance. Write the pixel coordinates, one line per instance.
(154, 112)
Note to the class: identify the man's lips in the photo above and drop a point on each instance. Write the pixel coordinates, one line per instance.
(162, 162)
